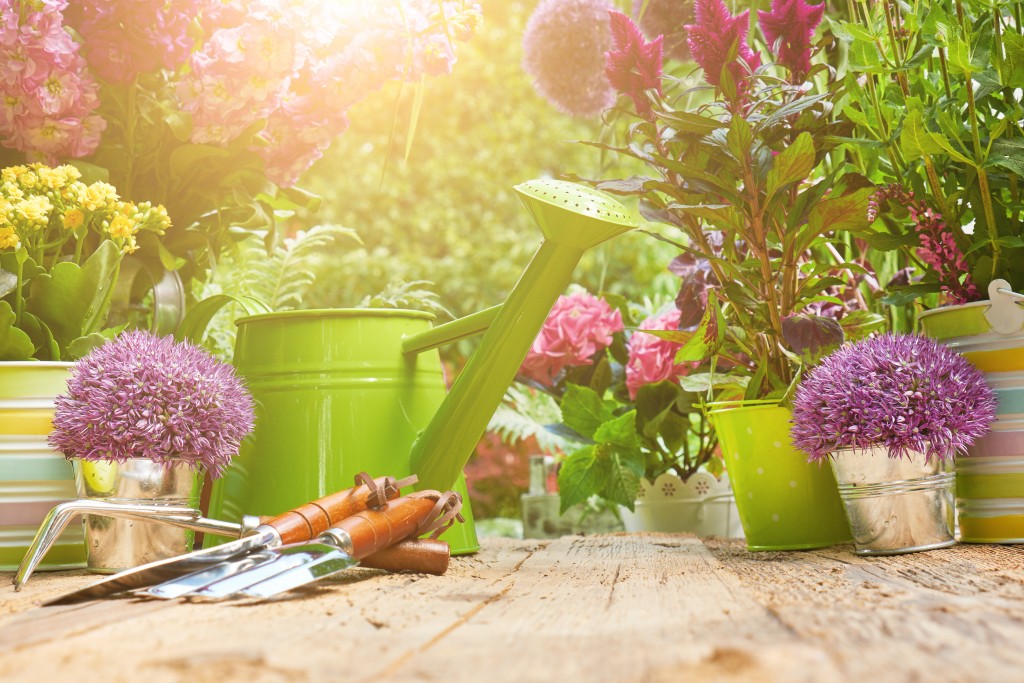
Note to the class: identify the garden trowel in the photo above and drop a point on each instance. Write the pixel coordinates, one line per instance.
(300, 524)
(341, 547)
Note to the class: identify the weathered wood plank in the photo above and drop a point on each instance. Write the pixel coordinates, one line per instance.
(952, 614)
(612, 608)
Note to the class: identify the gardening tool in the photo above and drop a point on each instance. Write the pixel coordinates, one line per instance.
(343, 390)
(275, 570)
(300, 524)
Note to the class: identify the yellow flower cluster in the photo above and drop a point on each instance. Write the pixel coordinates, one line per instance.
(42, 206)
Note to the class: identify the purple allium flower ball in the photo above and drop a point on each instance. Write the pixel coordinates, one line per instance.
(666, 18)
(905, 392)
(563, 51)
(142, 396)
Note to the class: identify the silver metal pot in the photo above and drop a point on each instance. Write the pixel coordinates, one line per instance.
(896, 505)
(115, 544)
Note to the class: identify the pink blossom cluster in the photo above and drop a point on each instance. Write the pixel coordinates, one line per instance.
(48, 98)
(301, 65)
(633, 66)
(938, 247)
(652, 359)
(125, 38)
(578, 326)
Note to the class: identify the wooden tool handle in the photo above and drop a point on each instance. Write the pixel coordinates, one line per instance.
(373, 530)
(312, 519)
(424, 555)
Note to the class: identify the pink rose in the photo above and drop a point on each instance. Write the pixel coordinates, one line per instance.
(578, 326)
(652, 359)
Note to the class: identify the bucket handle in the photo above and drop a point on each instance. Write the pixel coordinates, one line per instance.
(469, 326)
(1005, 316)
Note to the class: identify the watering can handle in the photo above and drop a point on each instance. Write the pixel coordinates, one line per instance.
(470, 325)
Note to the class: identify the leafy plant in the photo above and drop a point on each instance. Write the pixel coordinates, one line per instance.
(61, 245)
(933, 89)
(280, 280)
(756, 185)
(626, 410)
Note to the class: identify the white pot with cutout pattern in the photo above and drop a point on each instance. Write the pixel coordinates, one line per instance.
(702, 505)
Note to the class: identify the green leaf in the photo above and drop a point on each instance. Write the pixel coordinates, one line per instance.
(859, 324)
(708, 337)
(904, 295)
(915, 140)
(624, 470)
(193, 327)
(701, 382)
(583, 410)
(78, 348)
(602, 377)
(847, 213)
(580, 476)
(653, 402)
(690, 124)
(883, 241)
(792, 165)
(740, 137)
(14, 344)
(72, 300)
(619, 431)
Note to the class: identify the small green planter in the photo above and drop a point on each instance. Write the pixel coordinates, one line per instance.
(785, 502)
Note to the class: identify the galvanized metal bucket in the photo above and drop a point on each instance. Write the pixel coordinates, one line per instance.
(115, 544)
(896, 505)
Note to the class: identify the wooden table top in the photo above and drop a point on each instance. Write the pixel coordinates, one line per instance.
(618, 608)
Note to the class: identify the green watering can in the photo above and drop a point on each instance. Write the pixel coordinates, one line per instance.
(347, 390)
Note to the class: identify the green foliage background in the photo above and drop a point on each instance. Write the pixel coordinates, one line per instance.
(449, 214)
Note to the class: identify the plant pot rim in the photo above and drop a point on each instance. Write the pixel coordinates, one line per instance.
(954, 308)
(742, 404)
(337, 313)
(35, 364)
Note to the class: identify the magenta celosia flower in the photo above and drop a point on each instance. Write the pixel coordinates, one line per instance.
(666, 18)
(907, 393)
(651, 358)
(563, 51)
(789, 27)
(578, 326)
(713, 35)
(142, 396)
(48, 98)
(633, 66)
(938, 244)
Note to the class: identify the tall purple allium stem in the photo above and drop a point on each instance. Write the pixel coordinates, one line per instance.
(142, 396)
(907, 393)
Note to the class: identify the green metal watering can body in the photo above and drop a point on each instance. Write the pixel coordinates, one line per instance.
(341, 391)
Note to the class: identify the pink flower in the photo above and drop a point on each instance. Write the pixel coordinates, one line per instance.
(652, 359)
(578, 326)
(125, 38)
(48, 98)
(712, 37)
(633, 66)
(789, 27)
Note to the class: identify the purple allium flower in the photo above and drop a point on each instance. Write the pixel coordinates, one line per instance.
(904, 392)
(666, 18)
(563, 51)
(142, 396)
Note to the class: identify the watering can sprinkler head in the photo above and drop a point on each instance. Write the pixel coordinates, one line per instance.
(572, 214)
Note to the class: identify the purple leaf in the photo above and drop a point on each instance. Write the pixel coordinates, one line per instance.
(811, 336)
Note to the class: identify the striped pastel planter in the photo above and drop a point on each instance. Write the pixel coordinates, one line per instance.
(990, 480)
(33, 478)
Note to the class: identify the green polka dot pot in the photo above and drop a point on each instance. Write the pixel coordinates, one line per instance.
(784, 502)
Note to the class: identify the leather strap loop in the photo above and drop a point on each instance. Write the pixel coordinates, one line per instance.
(380, 495)
(447, 510)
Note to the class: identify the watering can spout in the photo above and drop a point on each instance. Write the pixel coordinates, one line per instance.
(572, 218)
